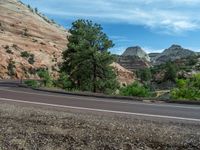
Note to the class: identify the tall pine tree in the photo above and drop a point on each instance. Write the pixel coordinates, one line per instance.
(87, 60)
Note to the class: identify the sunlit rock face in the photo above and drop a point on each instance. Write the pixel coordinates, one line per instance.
(22, 29)
(137, 52)
(124, 76)
(134, 58)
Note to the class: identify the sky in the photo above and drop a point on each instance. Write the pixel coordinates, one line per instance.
(153, 25)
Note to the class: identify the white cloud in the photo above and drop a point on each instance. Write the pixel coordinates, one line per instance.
(169, 16)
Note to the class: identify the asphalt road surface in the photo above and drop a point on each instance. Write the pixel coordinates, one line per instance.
(9, 92)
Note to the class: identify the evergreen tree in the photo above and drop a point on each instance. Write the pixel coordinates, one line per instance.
(171, 72)
(144, 74)
(87, 60)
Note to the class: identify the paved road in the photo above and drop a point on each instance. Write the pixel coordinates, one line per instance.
(173, 112)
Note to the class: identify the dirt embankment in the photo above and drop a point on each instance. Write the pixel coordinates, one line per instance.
(25, 128)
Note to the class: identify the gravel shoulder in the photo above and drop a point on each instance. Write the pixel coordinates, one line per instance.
(28, 127)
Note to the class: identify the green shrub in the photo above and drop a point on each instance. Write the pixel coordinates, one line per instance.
(32, 83)
(171, 72)
(45, 76)
(29, 56)
(144, 74)
(25, 54)
(187, 89)
(135, 89)
(31, 59)
(11, 68)
(63, 81)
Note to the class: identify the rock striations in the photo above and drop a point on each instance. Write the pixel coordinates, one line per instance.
(24, 31)
(30, 41)
(134, 58)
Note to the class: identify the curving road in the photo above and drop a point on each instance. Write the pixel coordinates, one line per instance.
(9, 92)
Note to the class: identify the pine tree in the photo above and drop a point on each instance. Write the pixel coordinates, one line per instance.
(87, 60)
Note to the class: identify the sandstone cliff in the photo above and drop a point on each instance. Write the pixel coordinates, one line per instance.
(124, 76)
(28, 41)
(137, 52)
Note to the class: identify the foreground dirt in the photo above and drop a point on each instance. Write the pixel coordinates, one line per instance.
(28, 128)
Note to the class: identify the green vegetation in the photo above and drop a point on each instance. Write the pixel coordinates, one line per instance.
(187, 89)
(25, 54)
(46, 78)
(87, 60)
(63, 82)
(135, 89)
(11, 68)
(30, 57)
(171, 72)
(31, 83)
(144, 74)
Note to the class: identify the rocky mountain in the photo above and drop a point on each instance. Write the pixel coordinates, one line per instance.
(28, 41)
(134, 58)
(175, 52)
(137, 52)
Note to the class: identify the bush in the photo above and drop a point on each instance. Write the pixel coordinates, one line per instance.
(63, 81)
(187, 89)
(171, 72)
(25, 54)
(9, 51)
(29, 56)
(144, 74)
(31, 59)
(135, 89)
(44, 74)
(11, 68)
(32, 83)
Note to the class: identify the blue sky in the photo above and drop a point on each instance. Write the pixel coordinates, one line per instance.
(152, 24)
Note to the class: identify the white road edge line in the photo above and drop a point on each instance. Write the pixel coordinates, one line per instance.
(101, 110)
(106, 101)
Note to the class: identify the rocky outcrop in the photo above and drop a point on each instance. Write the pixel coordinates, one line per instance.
(134, 58)
(124, 76)
(133, 63)
(175, 52)
(136, 52)
(24, 31)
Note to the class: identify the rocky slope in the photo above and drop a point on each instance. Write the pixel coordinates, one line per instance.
(28, 41)
(124, 76)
